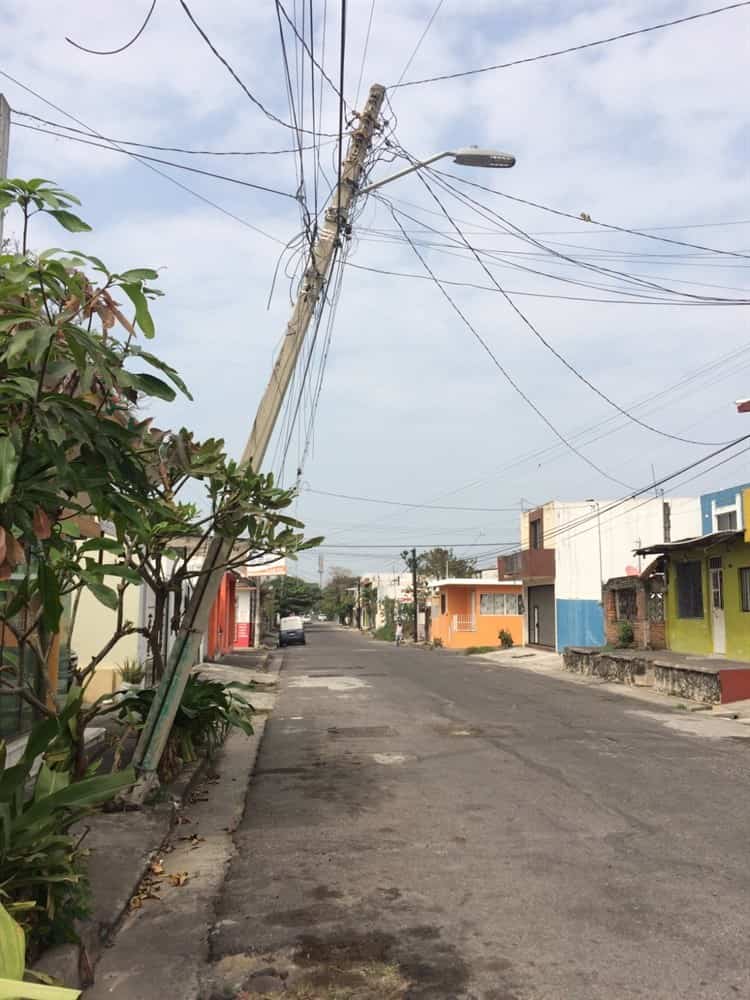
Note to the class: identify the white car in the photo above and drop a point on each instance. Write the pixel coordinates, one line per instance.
(322, 618)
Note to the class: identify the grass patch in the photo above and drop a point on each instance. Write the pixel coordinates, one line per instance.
(352, 981)
(385, 633)
(473, 650)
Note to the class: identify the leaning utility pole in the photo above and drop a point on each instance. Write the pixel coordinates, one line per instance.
(158, 725)
(4, 146)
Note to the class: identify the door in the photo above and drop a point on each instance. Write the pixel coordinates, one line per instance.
(718, 626)
(542, 616)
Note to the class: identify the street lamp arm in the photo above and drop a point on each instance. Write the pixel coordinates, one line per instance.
(407, 170)
(469, 156)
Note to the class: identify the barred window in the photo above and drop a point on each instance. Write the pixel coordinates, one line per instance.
(745, 587)
(689, 590)
(499, 604)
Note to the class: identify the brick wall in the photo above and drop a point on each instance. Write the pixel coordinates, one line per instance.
(646, 635)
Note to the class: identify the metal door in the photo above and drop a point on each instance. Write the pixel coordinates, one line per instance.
(718, 626)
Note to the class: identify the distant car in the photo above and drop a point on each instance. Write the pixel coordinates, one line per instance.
(291, 631)
(306, 619)
(322, 618)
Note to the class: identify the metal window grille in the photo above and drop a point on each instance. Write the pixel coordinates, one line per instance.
(690, 590)
(745, 587)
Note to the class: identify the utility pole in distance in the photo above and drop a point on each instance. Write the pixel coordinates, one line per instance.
(169, 694)
(4, 147)
(414, 589)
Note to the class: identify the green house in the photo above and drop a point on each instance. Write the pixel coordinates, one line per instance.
(707, 605)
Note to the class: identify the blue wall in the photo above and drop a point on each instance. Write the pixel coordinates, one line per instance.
(723, 498)
(579, 623)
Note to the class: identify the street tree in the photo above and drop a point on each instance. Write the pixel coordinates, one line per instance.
(294, 596)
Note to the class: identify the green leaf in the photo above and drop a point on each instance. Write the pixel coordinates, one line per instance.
(71, 222)
(150, 384)
(6, 199)
(105, 595)
(101, 544)
(12, 948)
(142, 314)
(10, 990)
(49, 590)
(163, 367)
(138, 274)
(8, 466)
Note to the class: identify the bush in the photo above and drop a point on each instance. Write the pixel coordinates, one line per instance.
(473, 650)
(41, 865)
(437, 643)
(208, 710)
(625, 635)
(506, 639)
(386, 633)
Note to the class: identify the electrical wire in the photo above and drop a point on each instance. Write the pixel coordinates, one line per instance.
(364, 54)
(579, 47)
(645, 234)
(114, 52)
(422, 37)
(235, 76)
(501, 368)
(544, 295)
(402, 503)
(156, 159)
(149, 166)
(308, 50)
(550, 347)
(172, 149)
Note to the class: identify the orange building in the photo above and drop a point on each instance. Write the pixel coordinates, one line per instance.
(221, 627)
(471, 612)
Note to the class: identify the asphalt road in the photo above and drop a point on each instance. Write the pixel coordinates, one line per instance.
(487, 833)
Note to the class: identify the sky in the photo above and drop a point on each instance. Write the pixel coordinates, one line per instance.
(643, 133)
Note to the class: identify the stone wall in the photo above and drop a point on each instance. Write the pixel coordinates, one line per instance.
(693, 685)
(628, 666)
(622, 667)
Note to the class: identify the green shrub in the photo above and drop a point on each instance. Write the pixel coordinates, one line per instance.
(506, 639)
(625, 635)
(42, 875)
(473, 650)
(208, 710)
(386, 633)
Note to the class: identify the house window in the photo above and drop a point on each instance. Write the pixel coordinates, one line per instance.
(443, 603)
(745, 587)
(727, 521)
(499, 604)
(689, 590)
(535, 534)
(625, 605)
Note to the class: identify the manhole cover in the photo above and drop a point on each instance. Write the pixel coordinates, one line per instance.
(362, 732)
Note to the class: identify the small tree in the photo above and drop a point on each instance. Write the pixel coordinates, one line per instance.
(75, 450)
(293, 596)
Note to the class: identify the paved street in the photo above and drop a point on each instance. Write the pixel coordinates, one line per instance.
(481, 831)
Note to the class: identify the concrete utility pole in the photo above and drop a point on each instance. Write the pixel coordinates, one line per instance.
(159, 722)
(4, 147)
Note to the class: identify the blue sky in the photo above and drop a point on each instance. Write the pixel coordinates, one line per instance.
(646, 132)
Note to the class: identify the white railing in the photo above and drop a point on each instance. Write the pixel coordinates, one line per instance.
(464, 623)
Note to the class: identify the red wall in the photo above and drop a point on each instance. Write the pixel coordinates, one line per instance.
(220, 635)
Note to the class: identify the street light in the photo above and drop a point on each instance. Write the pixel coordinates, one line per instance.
(468, 156)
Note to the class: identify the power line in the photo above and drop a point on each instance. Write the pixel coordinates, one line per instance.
(544, 295)
(595, 222)
(422, 37)
(505, 373)
(415, 545)
(238, 80)
(402, 503)
(550, 347)
(156, 159)
(576, 48)
(308, 50)
(114, 52)
(171, 149)
(148, 166)
(364, 54)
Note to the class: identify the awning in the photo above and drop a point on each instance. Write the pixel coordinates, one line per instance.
(701, 542)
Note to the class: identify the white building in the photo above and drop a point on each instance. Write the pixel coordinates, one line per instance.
(570, 548)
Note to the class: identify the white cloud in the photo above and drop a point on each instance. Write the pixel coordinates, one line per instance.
(649, 131)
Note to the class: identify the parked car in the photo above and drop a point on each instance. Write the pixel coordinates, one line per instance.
(322, 618)
(291, 631)
(306, 619)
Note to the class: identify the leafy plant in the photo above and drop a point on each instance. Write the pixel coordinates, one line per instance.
(625, 635)
(506, 639)
(208, 710)
(13, 967)
(386, 633)
(130, 671)
(474, 650)
(41, 872)
(437, 643)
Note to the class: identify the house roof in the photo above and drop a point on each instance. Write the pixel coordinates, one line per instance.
(701, 542)
(475, 581)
